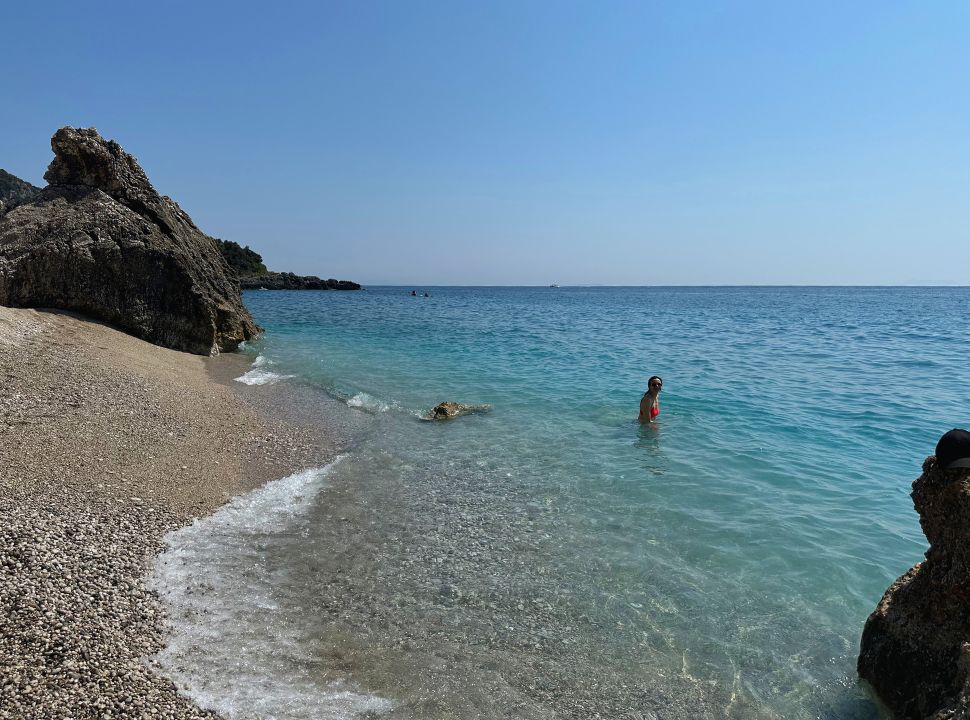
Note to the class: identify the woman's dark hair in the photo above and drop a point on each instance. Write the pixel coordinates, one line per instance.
(655, 377)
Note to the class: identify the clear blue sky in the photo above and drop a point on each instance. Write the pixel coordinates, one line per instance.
(528, 142)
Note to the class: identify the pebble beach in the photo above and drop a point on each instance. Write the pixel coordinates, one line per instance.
(106, 444)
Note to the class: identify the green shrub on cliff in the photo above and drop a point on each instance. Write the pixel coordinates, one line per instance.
(241, 259)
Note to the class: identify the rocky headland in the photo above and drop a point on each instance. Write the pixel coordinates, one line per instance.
(253, 274)
(915, 649)
(290, 281)
(99, 240)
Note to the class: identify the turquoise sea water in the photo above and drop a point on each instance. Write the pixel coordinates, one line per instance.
(553, 558)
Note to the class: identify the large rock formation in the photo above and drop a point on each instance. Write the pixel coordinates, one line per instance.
(101, 241)
(916, 644)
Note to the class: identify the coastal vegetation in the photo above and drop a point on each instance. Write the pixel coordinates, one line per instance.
(292, 281)
(244, 261)
(253, 274)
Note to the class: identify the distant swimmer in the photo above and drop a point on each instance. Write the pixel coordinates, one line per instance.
(413, 294)
(650, 402)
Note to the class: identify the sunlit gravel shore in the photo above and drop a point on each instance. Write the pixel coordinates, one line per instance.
(107, 443)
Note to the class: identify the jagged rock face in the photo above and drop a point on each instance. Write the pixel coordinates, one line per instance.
(13, 190)
(101, 241)
(915, 648)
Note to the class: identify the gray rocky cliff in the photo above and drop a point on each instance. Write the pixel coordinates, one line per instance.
(13, 190)
(915, 649)
(99, 240)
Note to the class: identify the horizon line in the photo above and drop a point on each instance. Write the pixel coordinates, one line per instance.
(560, 286)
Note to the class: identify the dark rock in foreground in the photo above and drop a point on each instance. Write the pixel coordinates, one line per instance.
(101, 241)
(290, 281)
(13, 190)
(915, 649)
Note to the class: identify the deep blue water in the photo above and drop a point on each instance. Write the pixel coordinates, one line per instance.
(553, 558)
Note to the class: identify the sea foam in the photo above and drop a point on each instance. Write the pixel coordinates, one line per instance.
(259, 376)
(368, 402)
(230, 647)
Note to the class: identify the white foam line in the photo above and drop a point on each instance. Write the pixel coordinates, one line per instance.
(368, 402)
(231, 648)
(257, 375)
(261, 377)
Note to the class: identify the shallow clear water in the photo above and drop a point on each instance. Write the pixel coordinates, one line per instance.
(553, 558)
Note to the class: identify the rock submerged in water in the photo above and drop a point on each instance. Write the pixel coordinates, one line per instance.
(448, 410)
(99, 240)
(915, 649)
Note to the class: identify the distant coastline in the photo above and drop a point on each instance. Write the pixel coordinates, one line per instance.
(291, 281)
(254, 275)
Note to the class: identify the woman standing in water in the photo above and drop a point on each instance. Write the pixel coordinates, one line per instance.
(650, 402)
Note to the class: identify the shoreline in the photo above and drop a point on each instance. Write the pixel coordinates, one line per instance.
(406, 568)
(107, 443)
